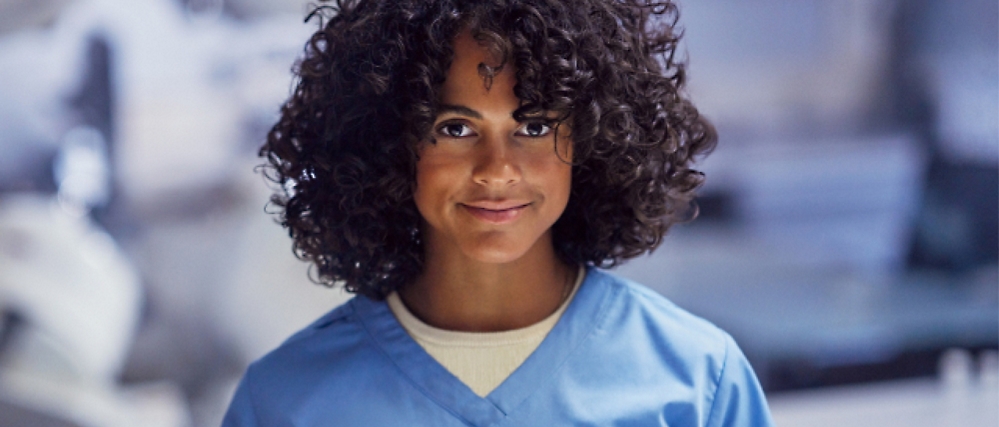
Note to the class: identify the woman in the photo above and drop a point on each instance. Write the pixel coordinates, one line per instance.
(465, 167)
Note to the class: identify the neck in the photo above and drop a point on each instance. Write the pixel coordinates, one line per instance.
(462, 294)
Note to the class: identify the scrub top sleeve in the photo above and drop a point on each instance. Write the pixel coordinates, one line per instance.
(739, 400)
(242, 412)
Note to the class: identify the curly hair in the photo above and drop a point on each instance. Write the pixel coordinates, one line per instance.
(345, 148)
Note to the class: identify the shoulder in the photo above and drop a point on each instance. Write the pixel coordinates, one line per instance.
(333, 343)
(636, 308)
(334, 359)
(331, 329)
(339, 318)
(674, 346)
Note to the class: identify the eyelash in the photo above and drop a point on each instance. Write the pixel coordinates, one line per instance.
(441, 129)
(547, 128)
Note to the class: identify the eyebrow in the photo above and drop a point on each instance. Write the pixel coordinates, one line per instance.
(459, 109)
(464, 111)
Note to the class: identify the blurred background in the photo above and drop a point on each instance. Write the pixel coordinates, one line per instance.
(848, 236)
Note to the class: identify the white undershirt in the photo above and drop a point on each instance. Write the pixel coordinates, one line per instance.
(481, 360)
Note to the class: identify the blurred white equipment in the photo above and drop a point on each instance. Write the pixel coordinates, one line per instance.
(77, 302)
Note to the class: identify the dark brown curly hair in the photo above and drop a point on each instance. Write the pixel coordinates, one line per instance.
(344, 149)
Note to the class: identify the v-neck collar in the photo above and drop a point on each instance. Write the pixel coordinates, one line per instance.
(579, 320)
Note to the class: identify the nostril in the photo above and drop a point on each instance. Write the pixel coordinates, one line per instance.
(496, 168)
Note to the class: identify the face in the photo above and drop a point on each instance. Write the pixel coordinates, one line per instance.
(489, 187)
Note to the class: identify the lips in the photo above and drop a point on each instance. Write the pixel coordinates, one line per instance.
(496, 212)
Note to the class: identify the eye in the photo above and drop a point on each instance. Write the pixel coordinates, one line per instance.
(454, 130)
(534, 129)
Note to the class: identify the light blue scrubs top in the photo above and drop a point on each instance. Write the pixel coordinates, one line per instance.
(621, 355)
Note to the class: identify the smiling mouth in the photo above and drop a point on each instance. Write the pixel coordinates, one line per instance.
(496, 216)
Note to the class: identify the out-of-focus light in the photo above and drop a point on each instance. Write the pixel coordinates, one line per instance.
(82, 171)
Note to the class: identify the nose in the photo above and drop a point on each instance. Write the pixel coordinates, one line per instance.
(496, 162)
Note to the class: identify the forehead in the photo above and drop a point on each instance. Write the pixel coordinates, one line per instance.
(468, 80)
(468, 54)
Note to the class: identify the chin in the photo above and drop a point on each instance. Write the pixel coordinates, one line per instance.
(495, 252)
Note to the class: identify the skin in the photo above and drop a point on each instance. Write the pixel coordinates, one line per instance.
(489, 188)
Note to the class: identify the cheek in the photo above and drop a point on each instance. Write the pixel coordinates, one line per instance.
(564, 150)
(558, 183)
(432, 185)
(563, 163)
(421, 195)
(565, 178)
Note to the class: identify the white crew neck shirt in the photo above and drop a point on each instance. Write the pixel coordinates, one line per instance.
(481, 360)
